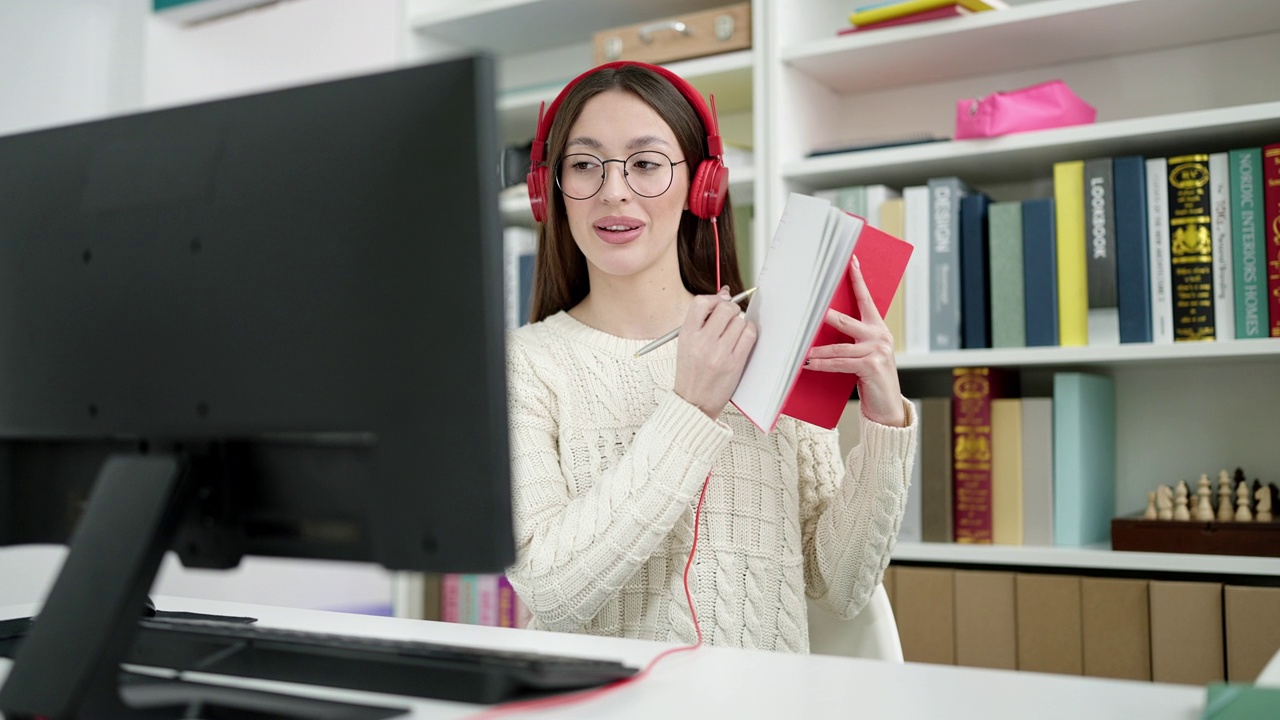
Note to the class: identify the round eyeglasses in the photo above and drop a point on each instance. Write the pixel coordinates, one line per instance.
(648, 173)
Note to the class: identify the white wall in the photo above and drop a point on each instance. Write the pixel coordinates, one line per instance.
(65, 61)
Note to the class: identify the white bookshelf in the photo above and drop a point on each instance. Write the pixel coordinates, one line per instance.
(1226, 353)
(1084, 559)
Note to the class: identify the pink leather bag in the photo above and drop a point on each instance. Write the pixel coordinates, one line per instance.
(1047, 105)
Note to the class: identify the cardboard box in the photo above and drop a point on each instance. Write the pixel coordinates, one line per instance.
(888, 586)
(1049, 624)
(986, 629)
(1116, 619)
(1186, 632)
(926, 614)
(1253, 630)
(690, 35)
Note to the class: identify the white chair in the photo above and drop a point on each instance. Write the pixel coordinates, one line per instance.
(872, 633)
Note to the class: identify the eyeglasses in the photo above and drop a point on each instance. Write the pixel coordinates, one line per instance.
(648, 173)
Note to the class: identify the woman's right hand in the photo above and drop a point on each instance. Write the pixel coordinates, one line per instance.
(715, 341)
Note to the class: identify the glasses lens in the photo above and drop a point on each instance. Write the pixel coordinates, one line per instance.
(580, 176)
(649, 173)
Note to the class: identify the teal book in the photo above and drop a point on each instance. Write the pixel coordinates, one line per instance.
(1247, 241)
(1084, 458)
(1008, 306)
(1238, 701)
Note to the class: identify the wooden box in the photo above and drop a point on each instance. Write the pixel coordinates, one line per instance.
(691, 35)
(1192, 536)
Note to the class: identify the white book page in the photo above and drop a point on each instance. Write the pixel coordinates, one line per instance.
(792, 294)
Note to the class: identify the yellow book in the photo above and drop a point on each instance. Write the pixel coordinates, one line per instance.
(1006, 471)
(891, 221)
(1073, 283)
(881, 13)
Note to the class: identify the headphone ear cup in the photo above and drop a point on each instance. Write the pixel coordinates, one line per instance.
(709, 189)
(538, 198)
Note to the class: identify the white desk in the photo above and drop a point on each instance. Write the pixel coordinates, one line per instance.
(724, 682)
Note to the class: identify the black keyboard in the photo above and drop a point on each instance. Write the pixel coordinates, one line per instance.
(400, 667)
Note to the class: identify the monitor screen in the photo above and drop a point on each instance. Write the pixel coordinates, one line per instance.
(263, 325)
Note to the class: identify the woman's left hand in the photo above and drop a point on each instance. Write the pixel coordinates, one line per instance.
(869, 356)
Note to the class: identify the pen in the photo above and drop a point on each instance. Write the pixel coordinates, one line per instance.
(675, 333)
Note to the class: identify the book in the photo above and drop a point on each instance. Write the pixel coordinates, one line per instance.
(519, 245)
(1008, 302)
(936, 511)
(1037, 471)
(1271, 215)
(880, 13)
(915, 226)
(1224, 298)
(942, 13)
(1133, 267)
(1084, 458)
(892, 221)
(1191, 248)
(1040, 272)
(1249, 255)
(1158, 251)
(1006, 471)
(1100, 252)
(972, 390)
(975, 284)
(1073, 283)
(805, 272)
(945, 194)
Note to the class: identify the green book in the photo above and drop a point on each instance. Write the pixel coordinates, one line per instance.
(1008, 306)
(1237, 701)
(1248, 249)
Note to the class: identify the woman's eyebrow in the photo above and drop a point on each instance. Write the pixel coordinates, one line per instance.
(588, 141)
(646, 140)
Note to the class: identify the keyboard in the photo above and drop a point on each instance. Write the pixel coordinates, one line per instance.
(399, 667)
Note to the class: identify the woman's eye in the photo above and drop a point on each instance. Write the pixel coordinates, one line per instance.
(584, 166)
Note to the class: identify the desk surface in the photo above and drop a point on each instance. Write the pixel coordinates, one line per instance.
(726, 682)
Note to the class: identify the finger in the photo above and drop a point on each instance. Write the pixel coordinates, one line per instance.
(866, 306)
(746, 341)
(721, 314)
(856, 329)
(840, 350)
(699, 310)
(733, 331)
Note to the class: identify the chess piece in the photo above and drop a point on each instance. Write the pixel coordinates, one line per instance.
(1204, 508)
(1180, 511)
(1243, 513)
(1225, 513)
(1150, 514)
(1164, 503)
(1263, 496)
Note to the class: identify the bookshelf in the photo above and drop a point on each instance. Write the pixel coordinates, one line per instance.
(1166, 76)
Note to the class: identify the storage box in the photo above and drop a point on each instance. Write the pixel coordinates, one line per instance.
(925, 611)
(1186, 632)
(1196, 536)
(1049, 625)
(1252, 617)
(690, 35)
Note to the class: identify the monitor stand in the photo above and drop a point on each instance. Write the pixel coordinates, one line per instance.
(69, 665)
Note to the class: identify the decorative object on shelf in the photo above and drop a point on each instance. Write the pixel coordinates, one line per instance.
(1242, 503)
(1164, 503)
(1204, 508)
(1151, 513)
(1224, 497)
(709, 32)
(1038, 107)
(1263, 496)
(1180, 511)
(1240, 527)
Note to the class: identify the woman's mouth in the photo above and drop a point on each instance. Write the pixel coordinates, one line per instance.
(618, 230)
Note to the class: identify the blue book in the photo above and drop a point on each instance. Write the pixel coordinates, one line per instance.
(975, 281)
(1133, 268)
(1084, 458)
(1040, 272)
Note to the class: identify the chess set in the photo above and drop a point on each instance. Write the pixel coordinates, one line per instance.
(1178, 519)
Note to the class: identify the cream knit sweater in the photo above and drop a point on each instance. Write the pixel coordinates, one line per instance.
(607, 465)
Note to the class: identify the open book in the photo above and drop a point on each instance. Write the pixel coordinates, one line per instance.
(806, 271)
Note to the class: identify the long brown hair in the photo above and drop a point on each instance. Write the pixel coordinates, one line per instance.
(560, 278)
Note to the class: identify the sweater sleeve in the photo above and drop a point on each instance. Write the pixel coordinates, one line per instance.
(574, 554)
(850, 512)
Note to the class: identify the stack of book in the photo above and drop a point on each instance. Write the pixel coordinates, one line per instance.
(904, 12)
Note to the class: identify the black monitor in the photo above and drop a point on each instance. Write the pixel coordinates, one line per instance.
(266, 325)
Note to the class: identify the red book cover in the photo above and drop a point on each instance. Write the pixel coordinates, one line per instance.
(972, 390)
(1271, 188)
(506, 603)
(819, 398)
(935, 14)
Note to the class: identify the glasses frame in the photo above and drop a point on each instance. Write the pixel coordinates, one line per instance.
(604, 172)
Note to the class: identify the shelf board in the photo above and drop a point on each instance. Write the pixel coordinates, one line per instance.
(1032, 155)
(1097, 356)
(514, 203)
(1085, 558)
(506, 27)
(1020, 37)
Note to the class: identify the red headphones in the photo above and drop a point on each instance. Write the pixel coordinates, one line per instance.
(710, 184)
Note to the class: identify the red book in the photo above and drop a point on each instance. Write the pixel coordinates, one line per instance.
(805, 273)
(935, 14)
(972, 390)
(1271, 185)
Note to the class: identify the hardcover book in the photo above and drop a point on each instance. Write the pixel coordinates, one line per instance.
(1158, 251)
(1191, 248)
(972, 390)
(944, 261)
(806, 271)
(1248, 244)
(1073, 283)
(1133, 267)
(1100, 252)
(1271, 196)
(1224, 298)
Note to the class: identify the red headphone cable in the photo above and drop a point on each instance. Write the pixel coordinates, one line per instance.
(561, 700)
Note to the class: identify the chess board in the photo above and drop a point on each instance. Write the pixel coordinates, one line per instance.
(1191, 536)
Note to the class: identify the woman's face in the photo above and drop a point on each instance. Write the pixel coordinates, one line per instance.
(621, 232)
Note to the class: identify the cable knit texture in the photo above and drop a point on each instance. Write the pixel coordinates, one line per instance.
(607, 465)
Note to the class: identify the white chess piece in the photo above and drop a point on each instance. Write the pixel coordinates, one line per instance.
(1225, 511)
(1150, 514)
(1263, 496)
(1242, 503)
(1180, 511)
(1164, 503)
(1204, 508)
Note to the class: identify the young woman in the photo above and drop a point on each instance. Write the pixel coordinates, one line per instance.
(610, 452)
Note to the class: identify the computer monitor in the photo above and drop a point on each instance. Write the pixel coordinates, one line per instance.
(264, 325)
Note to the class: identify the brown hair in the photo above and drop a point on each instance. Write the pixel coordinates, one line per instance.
(560, 269)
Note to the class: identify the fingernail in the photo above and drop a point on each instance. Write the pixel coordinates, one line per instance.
(806, 361)
(855, 263)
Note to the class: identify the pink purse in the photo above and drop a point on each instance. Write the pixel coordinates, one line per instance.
(1039, 107)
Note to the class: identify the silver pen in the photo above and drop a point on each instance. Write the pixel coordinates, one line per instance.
(676, 333)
